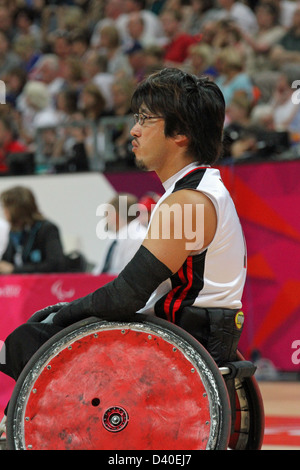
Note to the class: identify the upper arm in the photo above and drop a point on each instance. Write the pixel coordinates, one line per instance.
(185, 222)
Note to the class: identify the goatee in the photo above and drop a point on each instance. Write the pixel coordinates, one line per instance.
(141, 165)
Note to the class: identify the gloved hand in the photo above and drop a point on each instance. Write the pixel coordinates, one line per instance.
(74, 311)
(69, 312)
(42, 315)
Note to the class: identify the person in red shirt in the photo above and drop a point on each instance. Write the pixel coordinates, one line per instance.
(176, 49)
(8, 143)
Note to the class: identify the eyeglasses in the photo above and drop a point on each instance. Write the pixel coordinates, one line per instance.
(141, 118)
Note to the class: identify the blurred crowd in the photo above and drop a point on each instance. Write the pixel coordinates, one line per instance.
(69, 67)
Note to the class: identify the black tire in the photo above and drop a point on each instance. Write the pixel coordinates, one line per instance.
(250, 422)
(200, 359)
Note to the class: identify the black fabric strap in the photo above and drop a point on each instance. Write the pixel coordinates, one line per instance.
(123, 297)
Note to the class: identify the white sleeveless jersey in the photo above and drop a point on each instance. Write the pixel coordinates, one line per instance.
(215, 276)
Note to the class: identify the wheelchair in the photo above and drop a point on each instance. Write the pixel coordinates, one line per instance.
(146, 385)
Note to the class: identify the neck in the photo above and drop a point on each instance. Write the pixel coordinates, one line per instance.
(169, 170)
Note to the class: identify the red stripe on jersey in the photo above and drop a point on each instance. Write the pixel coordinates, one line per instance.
(195, 169)
(188, 280)
(172, 293)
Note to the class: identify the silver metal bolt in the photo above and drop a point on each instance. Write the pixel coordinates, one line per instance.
(115, 420)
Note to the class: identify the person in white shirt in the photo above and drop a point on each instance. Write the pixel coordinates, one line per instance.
(239, 12)
(123, 232)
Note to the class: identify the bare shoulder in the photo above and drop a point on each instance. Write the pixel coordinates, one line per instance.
(185, 222)
(189, 196)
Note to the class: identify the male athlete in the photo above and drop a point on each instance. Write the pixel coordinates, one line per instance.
(194, 281)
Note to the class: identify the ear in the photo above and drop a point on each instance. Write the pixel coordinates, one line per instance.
(181, 140)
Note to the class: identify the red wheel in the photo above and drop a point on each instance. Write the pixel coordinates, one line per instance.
(145, 385)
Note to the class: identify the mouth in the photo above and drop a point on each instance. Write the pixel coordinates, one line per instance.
(134, 145)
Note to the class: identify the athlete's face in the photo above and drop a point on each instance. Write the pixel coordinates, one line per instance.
(150, 145)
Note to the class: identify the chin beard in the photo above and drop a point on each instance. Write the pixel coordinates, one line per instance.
(141, 165)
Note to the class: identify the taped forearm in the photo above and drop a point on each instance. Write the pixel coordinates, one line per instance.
(124, 296)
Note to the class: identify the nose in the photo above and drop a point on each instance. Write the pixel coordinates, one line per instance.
(136, 130)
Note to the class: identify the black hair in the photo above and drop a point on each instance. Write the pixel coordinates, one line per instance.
(192, 106)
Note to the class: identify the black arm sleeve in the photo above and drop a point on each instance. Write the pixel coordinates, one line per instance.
(121, 298)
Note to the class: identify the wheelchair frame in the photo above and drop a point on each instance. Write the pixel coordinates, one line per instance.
(157, 388)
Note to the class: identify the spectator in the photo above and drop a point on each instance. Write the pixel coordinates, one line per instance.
(200, 12)
(66, 103)
(199, 59)
(176, 49)
(71, 16)
(125, 232)
(36, 111)
(95, 70)
(269, 32)
(60, 44)
(92, 102)
(245, 146)
(286, 113)
(92, 106)
(112, 11)
(208, 32)
(9, 143)
(287, 49)
(71, 146)
(154, 58)
(237, 120)
(137, 32)
(240, 13)
(232, 77)
(47, 71)
(137, 61)
(73, 74)
(122, 90)
(24, 21)
(228, 34)
(79, 43)
(152, 22)
(15, 81)
(34, 242)
(25, 48)
(110, 43)
(286, 11)
(8, 58)
(262, 116)
(6, 22)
